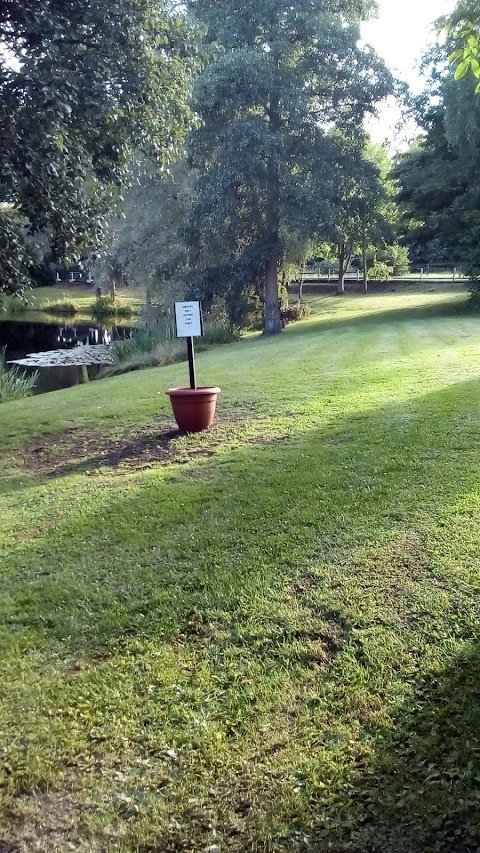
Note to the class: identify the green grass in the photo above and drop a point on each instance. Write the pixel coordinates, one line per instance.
(77, 302)
(12, 306)
(15, 384)
(269, 641)
(105, 307)
(81, 296)
(60, 308)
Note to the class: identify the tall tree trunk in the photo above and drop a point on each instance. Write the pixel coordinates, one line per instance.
(300, 283)
(273, 317)
(113, 288)
(341, 269)
(364, 261)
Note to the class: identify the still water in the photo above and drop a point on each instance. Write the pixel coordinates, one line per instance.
(21, 337)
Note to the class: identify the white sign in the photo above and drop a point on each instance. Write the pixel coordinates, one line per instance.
(188, 316)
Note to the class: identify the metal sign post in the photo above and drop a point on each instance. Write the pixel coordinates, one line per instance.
(189, 322)
(191, 363)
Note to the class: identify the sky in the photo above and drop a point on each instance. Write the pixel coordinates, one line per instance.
(400, 35)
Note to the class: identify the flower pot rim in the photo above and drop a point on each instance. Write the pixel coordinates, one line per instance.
(193, 392)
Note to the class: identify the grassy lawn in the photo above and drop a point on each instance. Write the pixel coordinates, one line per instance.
(263, 638)
(82, 295)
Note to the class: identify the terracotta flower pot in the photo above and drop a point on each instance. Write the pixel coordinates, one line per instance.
(194, 409)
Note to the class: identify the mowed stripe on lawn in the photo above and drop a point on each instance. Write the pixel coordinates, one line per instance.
(270, 642)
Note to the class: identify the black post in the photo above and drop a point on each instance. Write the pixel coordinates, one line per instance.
(191, 363)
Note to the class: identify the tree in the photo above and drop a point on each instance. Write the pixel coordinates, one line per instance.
(463, 27)
(283, 75)
(364, 209)
(438, 178)
(145, 248)
(83, 88)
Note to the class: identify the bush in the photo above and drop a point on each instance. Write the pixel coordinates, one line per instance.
(15, 384)
(379, 272)
(106, 306)
(160, 356)
(144, 341)
(43, 273)
(218, 332)
(397, 258)
(12, 305)
(475, 296)
(295, 312)
(158, 346)
(64, 308)
(151, 347)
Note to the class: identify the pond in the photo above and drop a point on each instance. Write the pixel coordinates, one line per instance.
(22, 337)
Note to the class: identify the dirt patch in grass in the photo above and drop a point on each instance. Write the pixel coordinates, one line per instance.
(45, 823)
(73, 451)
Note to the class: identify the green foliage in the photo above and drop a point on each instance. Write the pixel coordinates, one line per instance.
(284, 74)
(43, 272)
(143, 342)
(463, 28)
(163, 354)
(158, 345)
(60, 308)
(15, 254)
(296, 311)
(440, 195)
(475, 297)
(105, 307)
(83, 88)
(145, 244)
(396, 257)
(364, 210)
(380, 271)
(218, 332)
(12, 305)
(234, 284)
(15, 384)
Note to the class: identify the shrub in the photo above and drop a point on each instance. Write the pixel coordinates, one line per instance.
(106, 306)
(12, 305)
(218, 332)
(295, 312)
(160, 356)
(379, 272)
(158, 346)
(396, 257)
(475, 296)
(151, 347)
(15, 384)
(144, 341)
(64, 308)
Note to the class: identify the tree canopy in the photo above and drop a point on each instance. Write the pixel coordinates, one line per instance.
(363, 205)
(463, 27)
(283, 75)
(144, 233)
(83, 86)
(438, 178)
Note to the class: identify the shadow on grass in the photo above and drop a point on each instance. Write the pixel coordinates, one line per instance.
(211, 561)
(139, 558)
(421, 793)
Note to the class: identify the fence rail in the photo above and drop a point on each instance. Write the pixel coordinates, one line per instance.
(441, 273)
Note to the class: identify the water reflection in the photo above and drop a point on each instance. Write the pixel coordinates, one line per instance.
(23, 337)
